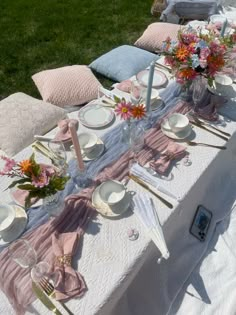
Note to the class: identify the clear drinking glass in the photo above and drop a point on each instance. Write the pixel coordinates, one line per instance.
(26, 257)
(137, 93)
(59, 152)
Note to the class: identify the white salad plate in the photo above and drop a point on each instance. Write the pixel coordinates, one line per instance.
(17, 227)
(95, 115)
(159, 78)
(107, 210)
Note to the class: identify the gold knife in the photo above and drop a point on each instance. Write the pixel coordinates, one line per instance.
(211, 131)
(44, 299)
(144, 185)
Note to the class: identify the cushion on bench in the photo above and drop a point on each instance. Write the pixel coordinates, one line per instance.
(22, 117)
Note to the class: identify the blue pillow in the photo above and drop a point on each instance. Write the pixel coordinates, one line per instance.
(123, 62)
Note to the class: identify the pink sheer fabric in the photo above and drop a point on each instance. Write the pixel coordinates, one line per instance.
(64, 133)
(68, 283)
(174, 151)
(15, 281)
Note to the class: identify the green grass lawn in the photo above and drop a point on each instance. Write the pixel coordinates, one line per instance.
(37, 35)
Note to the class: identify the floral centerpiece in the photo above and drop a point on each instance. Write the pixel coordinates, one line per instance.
(197, 53)
(39, 180)
(130, 112)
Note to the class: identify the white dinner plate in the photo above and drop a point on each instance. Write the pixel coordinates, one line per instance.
(159, 78)
(17, 228)
(95, 115)
(108, 210)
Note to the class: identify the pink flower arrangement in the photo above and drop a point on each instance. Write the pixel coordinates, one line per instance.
(127, 110)
(197, 54)
(39, 180)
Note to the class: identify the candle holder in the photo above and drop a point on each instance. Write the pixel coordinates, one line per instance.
(80, 177)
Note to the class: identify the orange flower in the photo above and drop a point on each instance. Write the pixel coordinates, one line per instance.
(185, 74)
(25, 166)
(182, 53)
(138, 111)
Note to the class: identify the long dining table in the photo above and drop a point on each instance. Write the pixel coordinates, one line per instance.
(108, 261)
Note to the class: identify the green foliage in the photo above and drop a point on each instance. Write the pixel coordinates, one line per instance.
(38, 35)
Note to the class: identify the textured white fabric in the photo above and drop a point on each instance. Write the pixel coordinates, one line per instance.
(211, 287)
(110, 262)
(23, 116)
(67, 86)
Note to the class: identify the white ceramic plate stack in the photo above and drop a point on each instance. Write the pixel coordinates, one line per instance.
(159, 78)
(95, 115)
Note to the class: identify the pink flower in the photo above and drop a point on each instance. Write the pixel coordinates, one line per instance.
(9, 164)
(205, 52)
(203, 63)
(124, 110)
(41, 180)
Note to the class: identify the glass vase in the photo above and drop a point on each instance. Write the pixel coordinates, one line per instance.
(54, 204)
(126, 132)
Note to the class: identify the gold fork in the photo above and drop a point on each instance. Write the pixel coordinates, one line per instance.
(48, 288)
(192, 143)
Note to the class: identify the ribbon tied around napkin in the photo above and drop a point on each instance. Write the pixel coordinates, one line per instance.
(173, 151)
(64, 132)
(68, 283)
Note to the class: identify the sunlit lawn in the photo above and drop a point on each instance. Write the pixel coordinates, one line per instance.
(37, 35)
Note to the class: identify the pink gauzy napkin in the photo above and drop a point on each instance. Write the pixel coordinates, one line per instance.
(68, 282)
(173, 151)
(64, 132)
(124, 86)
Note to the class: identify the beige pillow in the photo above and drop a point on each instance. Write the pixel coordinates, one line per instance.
(67, 86)
(22, 117)
(153, 37)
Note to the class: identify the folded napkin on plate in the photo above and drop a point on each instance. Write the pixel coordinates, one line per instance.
(145, 210)
(124, 86)
(173, 151)
(68, 282)
(64, 132)
(145, 176)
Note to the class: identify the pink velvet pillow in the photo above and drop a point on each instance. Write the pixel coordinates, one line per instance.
(155, 34)
(67, 86)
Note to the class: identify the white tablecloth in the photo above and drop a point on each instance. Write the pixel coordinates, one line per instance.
(110, 262)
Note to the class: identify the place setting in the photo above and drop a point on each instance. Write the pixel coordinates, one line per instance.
(91, 146)
(178, 127)
(111, 198)
(95, 116)
(13, 221)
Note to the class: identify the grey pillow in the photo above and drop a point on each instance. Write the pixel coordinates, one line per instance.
(123, 62)
(21, 117)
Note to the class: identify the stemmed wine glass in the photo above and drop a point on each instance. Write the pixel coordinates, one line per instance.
(59, 153)
(26, 257)
(137, 93)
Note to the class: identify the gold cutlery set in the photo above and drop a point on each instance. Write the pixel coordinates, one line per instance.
(44, 291)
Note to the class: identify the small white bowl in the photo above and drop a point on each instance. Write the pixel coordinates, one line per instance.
(178, 122)
(7, 217)
(112, 192)
(87, 141)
